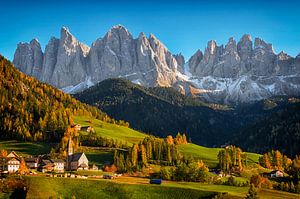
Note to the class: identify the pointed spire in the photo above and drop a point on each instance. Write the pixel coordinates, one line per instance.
(211, 46)
(246, 37)
(70, 147)
(65, 35)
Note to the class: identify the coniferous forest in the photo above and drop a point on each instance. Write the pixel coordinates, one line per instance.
(34, 111)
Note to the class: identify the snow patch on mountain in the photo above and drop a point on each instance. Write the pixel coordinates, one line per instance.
(79, 87)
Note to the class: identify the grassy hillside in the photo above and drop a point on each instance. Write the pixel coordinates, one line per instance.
(41, 187)
(124, 134)
(34, 111)
(257, 127)
(159, 111)
(132, 187)
(26, 148)
(209, 155)
(113, 131)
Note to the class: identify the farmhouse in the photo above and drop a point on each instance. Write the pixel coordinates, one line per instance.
(87, 129)
(276, 174)
(12, 155)
(32, 163)
(46, 166)
(77, 127)
(58, 165)
(77, 161)
(11, 162)
(12, 165)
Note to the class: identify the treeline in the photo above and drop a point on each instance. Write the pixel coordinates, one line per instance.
(275, 160)
(232, 158)
(92, 139)
(34, 111)
(280, 129)
(186, 170)
(150, 150)
(179, 139)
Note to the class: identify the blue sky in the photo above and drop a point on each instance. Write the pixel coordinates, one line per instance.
(183, 26)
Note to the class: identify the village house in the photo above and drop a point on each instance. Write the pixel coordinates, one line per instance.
(12, 155)
(32, 163)
(58, 165)
(87, 129)
(46, 166)
(12, 165)
(94, 167)
(77, 161)
(77, 127)
(276, 174)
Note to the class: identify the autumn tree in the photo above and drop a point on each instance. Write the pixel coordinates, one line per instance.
(3, 153)
(143, 155)
(232, 157)
(134, 155)
(23, 168)
(170, 139)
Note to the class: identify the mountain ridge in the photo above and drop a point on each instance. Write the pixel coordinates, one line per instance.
(239, 72)
(165, 111)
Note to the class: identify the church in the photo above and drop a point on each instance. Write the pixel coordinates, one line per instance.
(75, 161)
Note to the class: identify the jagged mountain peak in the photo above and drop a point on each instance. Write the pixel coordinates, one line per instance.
(35, 42)
(142, 35)
(236, 72)
(118, 31)
(283, 56)
(231, 45)
(211, 47)
(246, 37)
(66, 36)
(261, 44)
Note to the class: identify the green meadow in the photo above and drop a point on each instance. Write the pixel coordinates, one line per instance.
(209, 155)
(42, 187)
(113, 131)
(26, 148)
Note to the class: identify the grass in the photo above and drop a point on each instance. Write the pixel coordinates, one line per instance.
(124, 134)
(133, 187)
(26, 148)
(209, 155)
(42, 187)
(120, 133)
(97, 156)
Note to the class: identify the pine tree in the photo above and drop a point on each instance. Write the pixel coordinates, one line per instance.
(134, 155)
(143, 155)
(149, 150)
(278, 160)
(184, 140)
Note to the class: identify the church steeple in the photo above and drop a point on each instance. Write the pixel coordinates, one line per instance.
(70, 147)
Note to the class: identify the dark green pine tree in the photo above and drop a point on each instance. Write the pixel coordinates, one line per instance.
(252, 193)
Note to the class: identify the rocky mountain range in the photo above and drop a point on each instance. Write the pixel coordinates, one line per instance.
(240, 72)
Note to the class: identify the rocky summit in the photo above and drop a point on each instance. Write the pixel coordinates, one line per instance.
(239, 72)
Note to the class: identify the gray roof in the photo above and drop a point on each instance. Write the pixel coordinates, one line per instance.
(76, 156)
(35, 160)
(57, 161)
